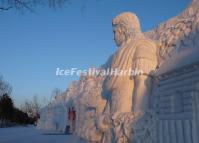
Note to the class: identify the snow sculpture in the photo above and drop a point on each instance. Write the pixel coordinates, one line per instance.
(89, 105)
(177, 33)
(128, 92)
(130, 120)
(127, 96)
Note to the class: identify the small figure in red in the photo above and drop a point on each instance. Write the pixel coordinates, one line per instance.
(72, 119)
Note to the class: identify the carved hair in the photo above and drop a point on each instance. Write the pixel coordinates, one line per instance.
(128, 22)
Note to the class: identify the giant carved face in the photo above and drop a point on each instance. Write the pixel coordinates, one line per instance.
(119, 36)
(125, 25)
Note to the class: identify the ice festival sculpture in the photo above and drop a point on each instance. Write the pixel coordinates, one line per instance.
(159, 106)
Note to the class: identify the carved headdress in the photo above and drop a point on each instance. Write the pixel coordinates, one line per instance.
(129, 23)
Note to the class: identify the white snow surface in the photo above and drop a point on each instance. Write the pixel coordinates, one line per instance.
(32, 135)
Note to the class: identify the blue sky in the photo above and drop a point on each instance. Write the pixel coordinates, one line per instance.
(33, 45)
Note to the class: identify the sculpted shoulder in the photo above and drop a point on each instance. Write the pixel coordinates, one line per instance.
(146, 48)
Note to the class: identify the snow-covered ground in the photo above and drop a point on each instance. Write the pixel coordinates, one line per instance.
(31, 135)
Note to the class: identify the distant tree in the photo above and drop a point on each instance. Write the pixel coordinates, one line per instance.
(32, 107)
(36, 104)
(5, 87)
(8, 113)
(30, 4)
(56, 92)
(26, 107)
(6, 108)
(22, 118)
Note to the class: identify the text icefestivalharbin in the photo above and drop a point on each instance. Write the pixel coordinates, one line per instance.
(98, 72)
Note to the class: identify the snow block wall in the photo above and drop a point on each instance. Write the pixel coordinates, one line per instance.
(53, 119)
(176, 102)
(84, 95)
